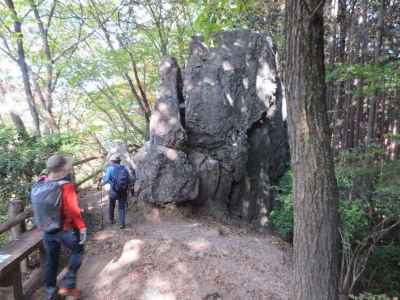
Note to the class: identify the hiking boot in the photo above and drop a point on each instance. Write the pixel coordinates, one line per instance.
(66, 292)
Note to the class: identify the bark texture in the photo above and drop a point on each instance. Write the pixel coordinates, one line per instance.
(315, 191)
(24, 67)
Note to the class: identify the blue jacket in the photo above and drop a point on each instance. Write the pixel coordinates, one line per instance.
(110, 173)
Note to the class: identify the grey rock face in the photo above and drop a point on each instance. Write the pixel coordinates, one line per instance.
(165, 123)
(208, 172)
(230, 88)
(164, 175)
(230, 140)
(234, 115)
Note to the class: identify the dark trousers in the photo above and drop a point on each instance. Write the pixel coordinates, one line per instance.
(122, 204)
(52, 245)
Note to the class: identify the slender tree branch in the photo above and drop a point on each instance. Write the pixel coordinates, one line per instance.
(7, 50)
(119, 109)
(317, 8)
(306, 6)
(51, 14)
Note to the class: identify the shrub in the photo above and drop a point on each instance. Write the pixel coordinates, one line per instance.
(369, 185)
(369, 296)
(21, 158)
(281, 218)
(383, 270)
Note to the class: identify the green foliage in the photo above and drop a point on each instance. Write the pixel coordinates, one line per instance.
(369, 185)
(369, 188)
(354, 220)
(22, 159)
(383, 270)
(281, 219)
(369, 296)
(372, 179)
(371, 78)
(215, 16)
(95, 44)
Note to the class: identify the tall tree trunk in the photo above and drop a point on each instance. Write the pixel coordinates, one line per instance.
(372, 106)
(363, 53)
(371, 120)
(394, 145)
(23, 66)
(315, 192)
(339, 94)
(49, 86)
(332, 58)
(346, 113)
(350, 134)
(19, 125)
(359, 113)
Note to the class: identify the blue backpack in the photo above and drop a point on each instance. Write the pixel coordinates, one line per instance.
(120, 179)
(46, 198)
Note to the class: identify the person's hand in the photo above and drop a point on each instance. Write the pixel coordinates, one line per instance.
(82, 236)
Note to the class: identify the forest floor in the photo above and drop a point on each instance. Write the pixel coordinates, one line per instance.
(167, 254)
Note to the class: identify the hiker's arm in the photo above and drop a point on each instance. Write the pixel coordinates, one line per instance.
(71, 206)
(107, 178)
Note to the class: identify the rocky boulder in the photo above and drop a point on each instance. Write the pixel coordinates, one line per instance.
(233, 116)
(224, 126)
(164, 175)
(165, 123)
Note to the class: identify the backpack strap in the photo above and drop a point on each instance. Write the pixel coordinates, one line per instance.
(62, 182)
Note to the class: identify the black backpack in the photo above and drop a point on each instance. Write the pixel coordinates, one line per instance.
(120, 179)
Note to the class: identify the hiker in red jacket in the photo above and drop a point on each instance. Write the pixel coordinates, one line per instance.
(61, 222)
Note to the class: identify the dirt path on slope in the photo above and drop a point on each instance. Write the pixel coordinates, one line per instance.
(163, 255)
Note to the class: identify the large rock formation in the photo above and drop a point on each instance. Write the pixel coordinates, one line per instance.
(164, 172)
(224, 126)
(165, 123)
(165, 175)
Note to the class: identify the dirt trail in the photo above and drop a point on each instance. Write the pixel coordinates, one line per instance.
(163, 255)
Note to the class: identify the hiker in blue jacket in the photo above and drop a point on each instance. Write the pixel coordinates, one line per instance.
(118, 177)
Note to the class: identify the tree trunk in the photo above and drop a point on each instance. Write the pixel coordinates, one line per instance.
(315, 191)
(372, 105)
(363, 36)
(23, 66)
(332, 59)
(394, 145)
(49, 85)
(346, 114)
(359, 113)
(19, 125)
(16, 207)
(339, 94)
(371, 120)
